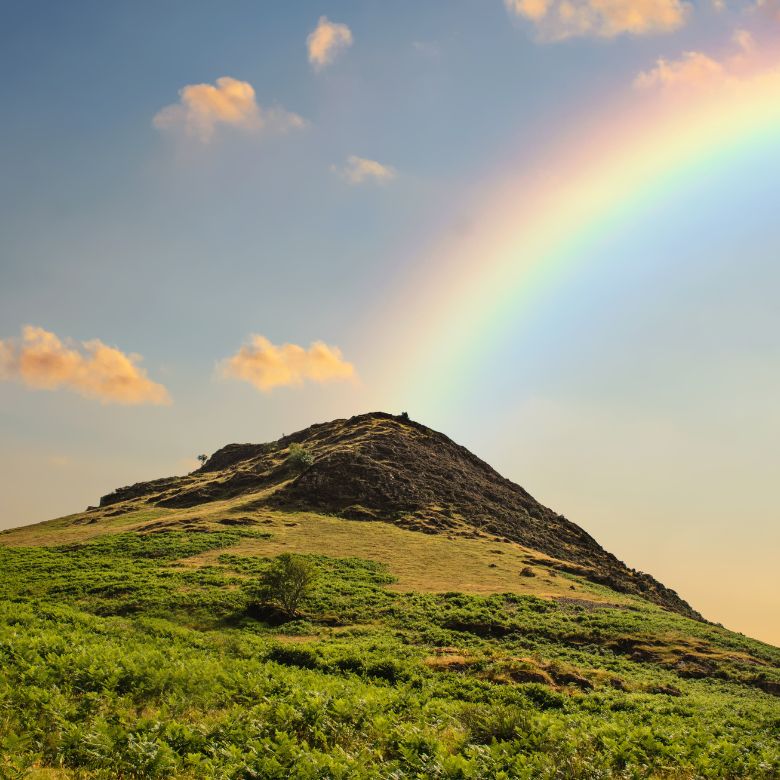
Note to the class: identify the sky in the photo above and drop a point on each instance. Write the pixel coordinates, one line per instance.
(547, 228)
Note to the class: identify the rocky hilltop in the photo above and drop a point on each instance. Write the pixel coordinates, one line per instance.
(380, 467)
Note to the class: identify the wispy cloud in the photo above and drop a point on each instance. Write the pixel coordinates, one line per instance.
(40, 360)
(266, 366)
(696, 70)
(357, 170)
(202, 107)
(557, 20)
(327, 41)
(693, 69)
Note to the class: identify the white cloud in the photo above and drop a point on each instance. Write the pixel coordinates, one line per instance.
(327, 41)
(696, 70)
(557, 20)
(357, 170)
(266, 366)
(744, 41)
(202, 107)
(693, 69)
(40, 360)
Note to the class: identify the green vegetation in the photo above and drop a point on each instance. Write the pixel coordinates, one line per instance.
(287, 582)
(146, 655)
(300, 457)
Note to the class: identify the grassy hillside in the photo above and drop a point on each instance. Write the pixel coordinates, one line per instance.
(378, 466)
(134, 646)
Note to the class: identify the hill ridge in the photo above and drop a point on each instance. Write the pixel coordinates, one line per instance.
(381, 467)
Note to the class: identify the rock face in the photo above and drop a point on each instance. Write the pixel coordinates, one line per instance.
(380, 467)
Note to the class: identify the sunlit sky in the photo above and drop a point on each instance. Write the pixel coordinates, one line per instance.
(548, 229)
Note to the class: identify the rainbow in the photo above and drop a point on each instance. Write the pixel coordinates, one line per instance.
(531, 230)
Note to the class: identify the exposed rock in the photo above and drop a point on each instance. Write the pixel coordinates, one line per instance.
(139, 490)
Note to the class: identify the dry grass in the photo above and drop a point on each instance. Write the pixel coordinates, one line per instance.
(78, 528)
(420, 562)
(449, 663)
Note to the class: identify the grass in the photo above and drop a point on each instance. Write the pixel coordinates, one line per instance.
(147, 655)
(419, 562)
(78, 527)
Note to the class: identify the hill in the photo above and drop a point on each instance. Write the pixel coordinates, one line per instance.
(380, 467)
(456, 629)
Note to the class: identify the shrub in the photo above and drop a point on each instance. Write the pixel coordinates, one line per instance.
(543, 697)
(350, 663)
(292, 655)
(385, 669)
(287, 582)
(300, 457)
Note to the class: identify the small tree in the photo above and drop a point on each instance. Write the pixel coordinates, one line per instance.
(203, 459)
(300, 457)
(287, 582)
(404, 416)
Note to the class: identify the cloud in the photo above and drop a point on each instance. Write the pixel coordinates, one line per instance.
(696, 70)
(744, 41)
(557, 20)
(326, 42)
(42, 362)
(267, 366)
(202, 107)
(357, 170)
(535, 10)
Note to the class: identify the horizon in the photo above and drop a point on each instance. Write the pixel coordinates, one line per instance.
(552, 238)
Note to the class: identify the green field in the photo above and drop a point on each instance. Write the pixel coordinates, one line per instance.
(148, 655)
